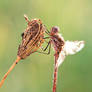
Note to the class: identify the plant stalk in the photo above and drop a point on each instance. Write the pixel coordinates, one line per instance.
(10, 69)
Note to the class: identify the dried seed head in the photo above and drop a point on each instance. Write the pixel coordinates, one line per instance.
(32, 38)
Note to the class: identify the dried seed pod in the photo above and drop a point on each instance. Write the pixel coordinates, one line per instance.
(32, 38)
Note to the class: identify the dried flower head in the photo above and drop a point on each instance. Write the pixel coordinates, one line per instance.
(32, 39)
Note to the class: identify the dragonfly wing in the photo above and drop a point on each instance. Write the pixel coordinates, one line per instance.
(72, 47)
(61, 58)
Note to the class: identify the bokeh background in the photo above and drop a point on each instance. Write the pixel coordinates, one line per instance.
(34, 74)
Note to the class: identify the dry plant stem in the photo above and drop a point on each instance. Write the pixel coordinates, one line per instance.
(13, 65)
(55, 74)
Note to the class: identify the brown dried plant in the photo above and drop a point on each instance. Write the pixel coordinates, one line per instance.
(32, 39)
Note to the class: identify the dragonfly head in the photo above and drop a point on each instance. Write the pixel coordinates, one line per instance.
(54, 30)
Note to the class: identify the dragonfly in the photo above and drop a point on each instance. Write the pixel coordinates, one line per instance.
(62, 48)
(32, 39)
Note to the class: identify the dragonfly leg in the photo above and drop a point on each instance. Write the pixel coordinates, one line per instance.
(46, 37)
(47, 31)
(48, 45)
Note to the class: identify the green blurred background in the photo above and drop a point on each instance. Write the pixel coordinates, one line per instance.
(34, 74)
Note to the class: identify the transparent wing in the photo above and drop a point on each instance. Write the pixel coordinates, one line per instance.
(61, 58)
(70, 48)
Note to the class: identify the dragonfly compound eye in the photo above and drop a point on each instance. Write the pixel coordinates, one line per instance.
(55, 29)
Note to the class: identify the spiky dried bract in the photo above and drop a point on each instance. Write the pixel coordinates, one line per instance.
(32, 38)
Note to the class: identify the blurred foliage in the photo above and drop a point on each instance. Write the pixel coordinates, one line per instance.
(34, 74)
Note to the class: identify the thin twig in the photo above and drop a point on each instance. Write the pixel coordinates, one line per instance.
(5, 76)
